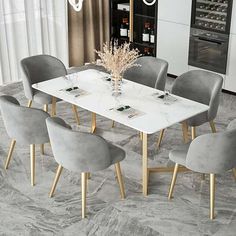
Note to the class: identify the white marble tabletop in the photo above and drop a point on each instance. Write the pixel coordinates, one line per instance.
(154, 114)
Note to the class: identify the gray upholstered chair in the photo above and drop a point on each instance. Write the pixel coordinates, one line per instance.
(40, 68)
(203, 87)
(83, 153)
(24, 125)
(208, 154)
(152, 72)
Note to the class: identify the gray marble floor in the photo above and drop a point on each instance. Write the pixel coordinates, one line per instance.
(26, 210)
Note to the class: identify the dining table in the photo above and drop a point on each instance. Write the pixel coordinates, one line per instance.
(139, 107)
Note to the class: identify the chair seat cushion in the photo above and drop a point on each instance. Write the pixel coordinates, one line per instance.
(117, 154)
(179, 154)
(42, 98)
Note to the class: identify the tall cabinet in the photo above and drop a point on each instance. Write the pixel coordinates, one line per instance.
(174, 19)
(230, 81)
(134, 21)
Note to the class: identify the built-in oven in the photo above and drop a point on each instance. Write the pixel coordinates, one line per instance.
(209, 36)
(208, 50)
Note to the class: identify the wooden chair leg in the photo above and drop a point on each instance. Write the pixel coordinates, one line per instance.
(120, 180)
(212, 196)
(45, 107)
(160, 138)
(141, 136)
(93, 125)
(42, 149)
(75, 110)
(32, 163)
(185, 131)
(89, 175)
(53, 109)
(12, 146)
(84, 192)
(29, 103)
(234, 173)
(193, 132)
(213, 128)
(173, 181)
(58, 174)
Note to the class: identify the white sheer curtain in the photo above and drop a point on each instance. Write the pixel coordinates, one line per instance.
(30, 27)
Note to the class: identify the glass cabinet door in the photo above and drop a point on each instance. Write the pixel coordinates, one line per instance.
(213, 15)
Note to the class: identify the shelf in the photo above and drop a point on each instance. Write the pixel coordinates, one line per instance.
(211, 20)
(148, 45)
(213, 3)
(145, 16)
(120, 11)
(210, 11)
(138, 16)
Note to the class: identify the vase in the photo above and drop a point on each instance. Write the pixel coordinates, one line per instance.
(116, 82)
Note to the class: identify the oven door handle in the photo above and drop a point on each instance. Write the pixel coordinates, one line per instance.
(212, 41)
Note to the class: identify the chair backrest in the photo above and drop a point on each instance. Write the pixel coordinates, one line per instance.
(213, 153)
(152, 72)
(40, 68)
(200, 86)
(77, 151)
(23, 124)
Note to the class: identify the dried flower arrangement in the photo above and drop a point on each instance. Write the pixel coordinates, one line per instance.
(117, 59)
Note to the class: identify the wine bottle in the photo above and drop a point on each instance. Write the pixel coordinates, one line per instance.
(147, 52)
(146, 32)
(152, 36)
(124, 27)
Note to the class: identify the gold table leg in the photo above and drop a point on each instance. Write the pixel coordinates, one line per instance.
(185, 131)
(74, 108)
(145, 165)
(93, 127)
(167, 169)
(160, 138)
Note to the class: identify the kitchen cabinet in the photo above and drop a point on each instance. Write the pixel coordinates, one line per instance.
(174, 18)
(173, 45)
(230, 82)
(177, 11)
(128, 24)
(233, 19)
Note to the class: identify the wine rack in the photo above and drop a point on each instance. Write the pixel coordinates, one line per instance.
(141, 28)
(213, 15)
